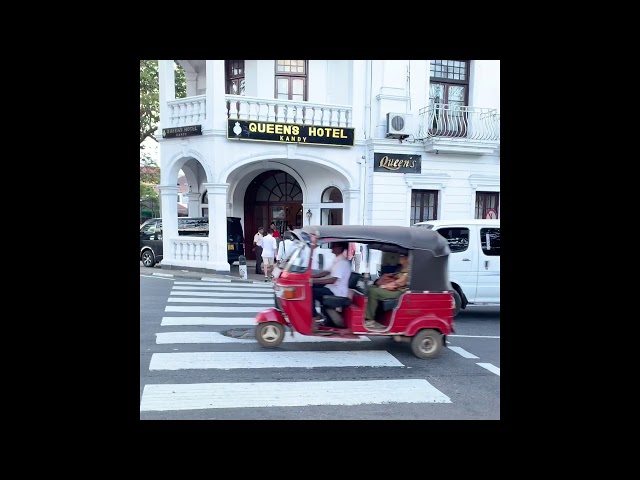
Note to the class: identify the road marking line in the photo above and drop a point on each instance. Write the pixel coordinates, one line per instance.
(163, 274)
(232, 360)
(158, 278)
(246, 286)
(243, 301)
(225, 294)
(205, 309)
(492, 368)
(180, 321)
(221, 280)
(465, 336)
(198, 396)
(463, 352)
(216, 337)
(223, 290)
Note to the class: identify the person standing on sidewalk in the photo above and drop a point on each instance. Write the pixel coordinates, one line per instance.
(285, 248)
(276, 232)
(257, 248)
(269, 247)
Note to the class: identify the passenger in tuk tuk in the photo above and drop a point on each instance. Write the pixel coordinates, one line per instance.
(389, 285)
(333, 282)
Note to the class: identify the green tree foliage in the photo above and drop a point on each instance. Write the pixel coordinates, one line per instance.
(146, 191)
(150, 98)
(149, 118)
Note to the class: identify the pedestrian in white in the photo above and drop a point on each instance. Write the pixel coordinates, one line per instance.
(268, 253)
(257, 248)
(285, 248)
(333, 282)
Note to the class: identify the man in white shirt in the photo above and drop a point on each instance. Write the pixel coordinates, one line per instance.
(334, 282)
(286, 247)
(268, 253)
(257, 247)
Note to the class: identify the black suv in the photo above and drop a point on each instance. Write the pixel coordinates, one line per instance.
(151, 237)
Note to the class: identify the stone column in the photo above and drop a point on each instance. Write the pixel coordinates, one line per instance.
(167, 92)
(169, 198)
(216, 106)
(191, 78)
(217, 195)
(359, 69)
(351, 199)
(194, 204)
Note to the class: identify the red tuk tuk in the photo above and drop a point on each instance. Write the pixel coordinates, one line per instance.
(421, 315)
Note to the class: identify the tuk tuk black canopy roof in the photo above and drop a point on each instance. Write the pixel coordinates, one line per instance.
(409, 238)
(428, 250)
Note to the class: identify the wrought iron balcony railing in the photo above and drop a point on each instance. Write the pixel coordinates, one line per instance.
(458, 121)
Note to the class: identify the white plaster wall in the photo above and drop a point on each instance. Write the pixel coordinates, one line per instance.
(385, 195)
(391, 92)
(259, 78)
(317, 81)
(201, 82)
(266, 71)
(237, 163)
(340, 82)
(251, 78)
(389, 194)
(484, 84)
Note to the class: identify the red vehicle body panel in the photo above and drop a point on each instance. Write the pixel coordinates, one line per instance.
(414, 311)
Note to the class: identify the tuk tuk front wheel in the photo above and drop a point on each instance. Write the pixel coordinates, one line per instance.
(427, 343)
(270, 334)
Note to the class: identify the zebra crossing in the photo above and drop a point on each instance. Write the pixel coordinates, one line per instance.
(222, 304)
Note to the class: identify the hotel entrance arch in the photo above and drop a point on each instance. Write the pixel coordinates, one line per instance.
(272, 196)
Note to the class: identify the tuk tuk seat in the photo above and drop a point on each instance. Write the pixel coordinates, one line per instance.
(333, 301)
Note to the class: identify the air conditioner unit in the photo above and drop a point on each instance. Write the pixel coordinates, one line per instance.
(398, 125)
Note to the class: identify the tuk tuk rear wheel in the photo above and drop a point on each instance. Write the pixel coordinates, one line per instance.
(427, 343)
(270, 334)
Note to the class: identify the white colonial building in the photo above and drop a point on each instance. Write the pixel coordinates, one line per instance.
(374, 142)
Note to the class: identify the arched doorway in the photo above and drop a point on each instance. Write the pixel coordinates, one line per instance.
(275, 196)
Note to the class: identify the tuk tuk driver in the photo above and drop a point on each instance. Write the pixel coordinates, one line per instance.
(333, 282)
(390, 285)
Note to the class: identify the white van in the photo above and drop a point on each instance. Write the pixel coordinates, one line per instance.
(474, 263)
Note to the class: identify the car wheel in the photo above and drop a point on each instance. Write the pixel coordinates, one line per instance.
(148, 259)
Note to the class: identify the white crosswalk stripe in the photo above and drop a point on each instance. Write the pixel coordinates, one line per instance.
(215, 337)
(224, 303)
(217, 320)
(288, 394)
(225, 294)
(231, 360)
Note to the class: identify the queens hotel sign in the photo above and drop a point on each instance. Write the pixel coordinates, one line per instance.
(290, 133)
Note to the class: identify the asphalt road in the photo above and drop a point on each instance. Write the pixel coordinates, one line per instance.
(225, 379)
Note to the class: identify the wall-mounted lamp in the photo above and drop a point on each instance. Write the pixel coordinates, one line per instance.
(309, 215)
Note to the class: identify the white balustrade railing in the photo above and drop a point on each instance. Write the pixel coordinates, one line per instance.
(456, 121)
(187, 111)
(287, 111)
(191, 248)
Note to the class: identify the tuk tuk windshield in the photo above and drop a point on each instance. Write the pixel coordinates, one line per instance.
(299, 258)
